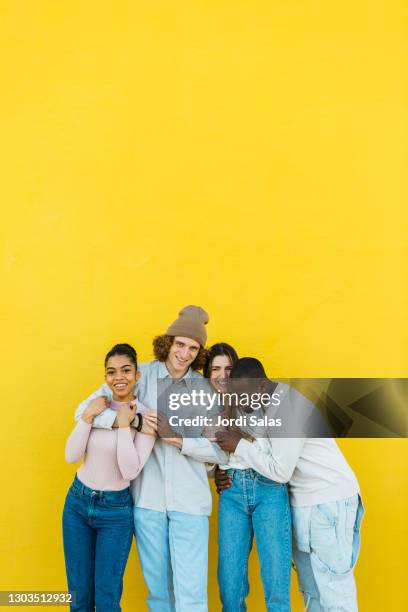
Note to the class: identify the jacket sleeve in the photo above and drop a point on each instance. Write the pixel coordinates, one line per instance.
(279, 465)
(104, 420)
(203, 450)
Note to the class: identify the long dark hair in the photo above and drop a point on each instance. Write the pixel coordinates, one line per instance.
(221, 348)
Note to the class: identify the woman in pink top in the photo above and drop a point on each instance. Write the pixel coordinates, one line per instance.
(98, 513)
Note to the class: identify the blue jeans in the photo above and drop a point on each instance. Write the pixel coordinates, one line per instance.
(173, 551)
(98, 531)
(254, 505)
(325, 550)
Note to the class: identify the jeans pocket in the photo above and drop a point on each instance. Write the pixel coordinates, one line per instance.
(118, 501)
(336, 569)
(74, 491)
(267, 482)
(335, 583)
(332, 537)
(117, 504)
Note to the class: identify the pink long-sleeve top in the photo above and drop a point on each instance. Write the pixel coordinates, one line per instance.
(112, 457)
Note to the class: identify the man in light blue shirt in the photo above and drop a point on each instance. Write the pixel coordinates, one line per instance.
(172, 495)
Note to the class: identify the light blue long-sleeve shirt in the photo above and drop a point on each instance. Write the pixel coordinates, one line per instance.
(172, 479)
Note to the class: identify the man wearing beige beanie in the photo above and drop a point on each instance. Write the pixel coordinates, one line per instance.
(190, 323)
(172, 495)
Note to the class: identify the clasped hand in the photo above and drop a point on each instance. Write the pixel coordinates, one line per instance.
(228, 440)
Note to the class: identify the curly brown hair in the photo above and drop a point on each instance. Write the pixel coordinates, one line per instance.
(161, 348)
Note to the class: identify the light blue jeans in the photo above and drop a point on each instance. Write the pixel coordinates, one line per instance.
(254, 506)
(173, 552)
(326, 543)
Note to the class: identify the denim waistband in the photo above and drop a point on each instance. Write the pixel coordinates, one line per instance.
(247, 473)
(108, 495)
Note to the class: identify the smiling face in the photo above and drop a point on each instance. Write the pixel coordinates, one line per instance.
(220, 370)
(121, 377)
(181, 355)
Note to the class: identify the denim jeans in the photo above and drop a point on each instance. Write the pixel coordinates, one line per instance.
(173, 552)
(326, 543)
(98, 531)
(254, 506)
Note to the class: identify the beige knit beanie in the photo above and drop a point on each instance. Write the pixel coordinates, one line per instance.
(190, 324)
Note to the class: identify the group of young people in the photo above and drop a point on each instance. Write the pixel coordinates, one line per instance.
(297, 496)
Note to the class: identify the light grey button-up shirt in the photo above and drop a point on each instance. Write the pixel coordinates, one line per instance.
(172, 479)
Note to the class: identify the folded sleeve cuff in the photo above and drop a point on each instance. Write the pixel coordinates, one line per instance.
(187, 446)
(105, 420)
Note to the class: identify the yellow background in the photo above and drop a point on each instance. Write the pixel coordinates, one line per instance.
(247, 156)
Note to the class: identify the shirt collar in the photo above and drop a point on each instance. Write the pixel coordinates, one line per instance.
(164, 373)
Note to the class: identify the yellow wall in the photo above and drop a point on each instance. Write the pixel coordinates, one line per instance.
(248, 156)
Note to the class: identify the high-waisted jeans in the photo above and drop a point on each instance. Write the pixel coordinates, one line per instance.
(254, 506)
(98, 530)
